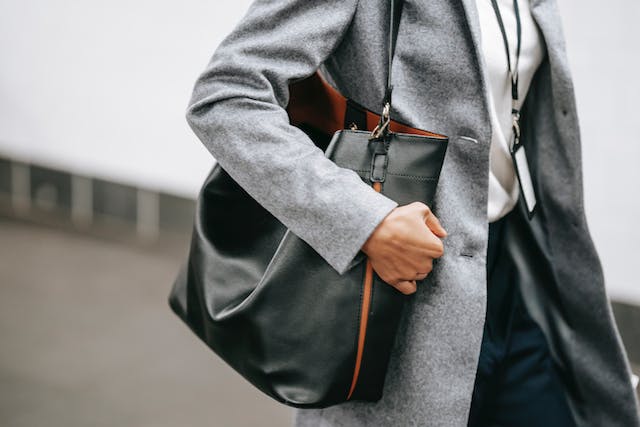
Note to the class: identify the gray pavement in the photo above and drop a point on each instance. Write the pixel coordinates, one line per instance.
(87, 339)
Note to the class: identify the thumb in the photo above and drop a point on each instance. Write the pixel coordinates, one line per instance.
(434, 224)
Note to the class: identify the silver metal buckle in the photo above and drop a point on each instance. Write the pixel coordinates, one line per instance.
(383, 126)
(516, 129)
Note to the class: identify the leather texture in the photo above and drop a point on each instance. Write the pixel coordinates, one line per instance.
(237, 111)
(266, 301)
(269, 305)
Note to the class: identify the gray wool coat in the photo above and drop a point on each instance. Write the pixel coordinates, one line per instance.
(237, 110)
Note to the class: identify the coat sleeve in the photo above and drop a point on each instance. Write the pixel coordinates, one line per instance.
(237, 110)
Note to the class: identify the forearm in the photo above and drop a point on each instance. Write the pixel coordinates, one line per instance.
(238, 112)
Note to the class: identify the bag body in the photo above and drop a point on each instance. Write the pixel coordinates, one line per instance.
(265, 301)
(439, 86)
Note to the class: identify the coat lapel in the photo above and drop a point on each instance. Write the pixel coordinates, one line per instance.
(473, 27)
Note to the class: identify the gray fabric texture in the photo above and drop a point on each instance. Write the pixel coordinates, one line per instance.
(237, 111)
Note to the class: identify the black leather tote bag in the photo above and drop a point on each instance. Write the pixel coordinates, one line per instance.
(264, 300)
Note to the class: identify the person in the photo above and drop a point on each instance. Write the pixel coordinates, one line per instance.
(508, 323)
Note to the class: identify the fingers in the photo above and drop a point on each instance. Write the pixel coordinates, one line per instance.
(424, 269)
(407, 287)
(433, 222)
(422, 244)
(426, 237)
(409, 245)
(421, 276)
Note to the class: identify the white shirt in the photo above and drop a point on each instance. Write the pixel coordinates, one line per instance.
(503, 184)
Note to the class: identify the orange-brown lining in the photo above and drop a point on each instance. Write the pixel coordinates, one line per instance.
(367, 287)
(313, 101)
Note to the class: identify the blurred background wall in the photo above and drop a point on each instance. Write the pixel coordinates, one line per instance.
(92, 102)
(100, 89)
(603, 48)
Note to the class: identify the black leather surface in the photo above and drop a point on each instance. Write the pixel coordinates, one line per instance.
(272, 308)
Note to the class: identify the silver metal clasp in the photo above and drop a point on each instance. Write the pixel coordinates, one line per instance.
(383, 126)
(515, 114)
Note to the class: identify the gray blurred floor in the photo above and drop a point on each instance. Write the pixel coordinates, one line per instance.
(89, 340)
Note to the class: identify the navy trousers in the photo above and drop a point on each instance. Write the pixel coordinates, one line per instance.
(517, 382)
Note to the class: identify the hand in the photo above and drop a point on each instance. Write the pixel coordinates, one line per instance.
(403, 246)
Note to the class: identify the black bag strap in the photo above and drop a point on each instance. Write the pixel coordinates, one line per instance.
(394, 22)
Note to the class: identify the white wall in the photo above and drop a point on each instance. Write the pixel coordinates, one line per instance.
(603, 44)
(101, 87)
